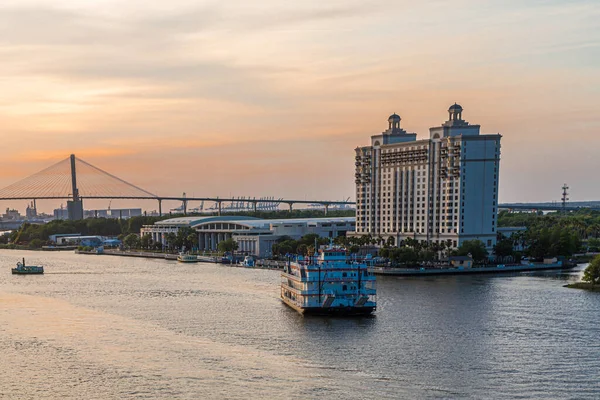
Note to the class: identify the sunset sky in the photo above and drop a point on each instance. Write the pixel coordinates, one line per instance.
(270, 98)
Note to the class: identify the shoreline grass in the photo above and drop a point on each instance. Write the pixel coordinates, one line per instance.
(584, 285)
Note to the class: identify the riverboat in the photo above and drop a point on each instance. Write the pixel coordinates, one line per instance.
(329, 283)
(187, 258)
(23, 269)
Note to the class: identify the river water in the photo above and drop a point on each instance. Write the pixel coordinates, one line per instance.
(103, 327)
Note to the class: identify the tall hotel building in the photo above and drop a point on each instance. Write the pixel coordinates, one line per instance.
(438, 189)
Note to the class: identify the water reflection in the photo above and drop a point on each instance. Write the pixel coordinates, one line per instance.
(109, 327)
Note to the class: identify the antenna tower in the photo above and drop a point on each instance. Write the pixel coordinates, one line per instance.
(565, 198)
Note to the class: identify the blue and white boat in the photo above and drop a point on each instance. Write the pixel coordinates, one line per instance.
(187, 258)
(248, 262)
(329, 283)
(23, 269)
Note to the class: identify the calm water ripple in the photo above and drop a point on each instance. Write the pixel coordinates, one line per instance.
(101, 327)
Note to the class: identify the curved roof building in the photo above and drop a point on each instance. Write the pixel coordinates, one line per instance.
(254, 236)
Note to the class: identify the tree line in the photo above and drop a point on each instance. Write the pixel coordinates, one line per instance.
(550, 235)
(37, 235)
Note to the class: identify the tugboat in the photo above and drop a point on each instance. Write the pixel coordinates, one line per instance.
(329, 283)
(23, 269)
(187, 258)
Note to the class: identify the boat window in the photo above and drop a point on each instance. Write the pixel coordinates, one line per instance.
(344, 287)
(344, 274)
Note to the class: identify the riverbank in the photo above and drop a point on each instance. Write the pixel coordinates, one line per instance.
(583, 285)
(144, 254)
(260, 264)
(584, 258)
(450, 270)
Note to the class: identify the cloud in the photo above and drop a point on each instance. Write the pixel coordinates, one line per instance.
(263, 84)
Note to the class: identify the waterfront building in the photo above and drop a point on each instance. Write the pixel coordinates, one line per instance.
(443, 188)
(516, 233)
(31, 211)
(11, 214)
(78, 239)
(254, 236)
(61, 213)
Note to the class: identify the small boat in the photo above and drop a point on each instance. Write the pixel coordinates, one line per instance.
(248, 262)
(187, 258)
(23, 269)
(226, 260)
(329, 283)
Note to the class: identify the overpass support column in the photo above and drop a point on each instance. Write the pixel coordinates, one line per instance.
(160, 207)
(291, 206)
(254, 206)
(219, 205)
(326, 208)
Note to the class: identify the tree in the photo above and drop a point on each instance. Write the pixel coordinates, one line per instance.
(404, 255)
(36, 244)
(475, 248)
(410, 242)
(390, 241)
(592, 272)
(593, 244)
(309, 240)
(171, 239)
(341, 241)
(384, 252)
(191, 241)
(228, 245)
(146, 241)
(302, 249)
(426, 255)
(504, 247)
(184, 235)
(132, 241)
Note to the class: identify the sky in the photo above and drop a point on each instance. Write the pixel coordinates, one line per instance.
(270, 98)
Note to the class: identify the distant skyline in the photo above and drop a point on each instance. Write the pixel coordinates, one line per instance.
(270, 98)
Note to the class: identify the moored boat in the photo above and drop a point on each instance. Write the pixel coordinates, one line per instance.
(329, 283)
(248, 262)
(23, 269)
(187, 258)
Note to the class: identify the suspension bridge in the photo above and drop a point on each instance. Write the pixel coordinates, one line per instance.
(75, 180)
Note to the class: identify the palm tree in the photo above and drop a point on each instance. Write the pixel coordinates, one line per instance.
(390, 241)
(170, 238)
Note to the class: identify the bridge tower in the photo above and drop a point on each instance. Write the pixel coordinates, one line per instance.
(564, 198)
(75, 205)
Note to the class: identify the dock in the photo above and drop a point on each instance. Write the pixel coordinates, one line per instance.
(495, 269)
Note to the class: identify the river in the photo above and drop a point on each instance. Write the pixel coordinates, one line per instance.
(104, 327)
